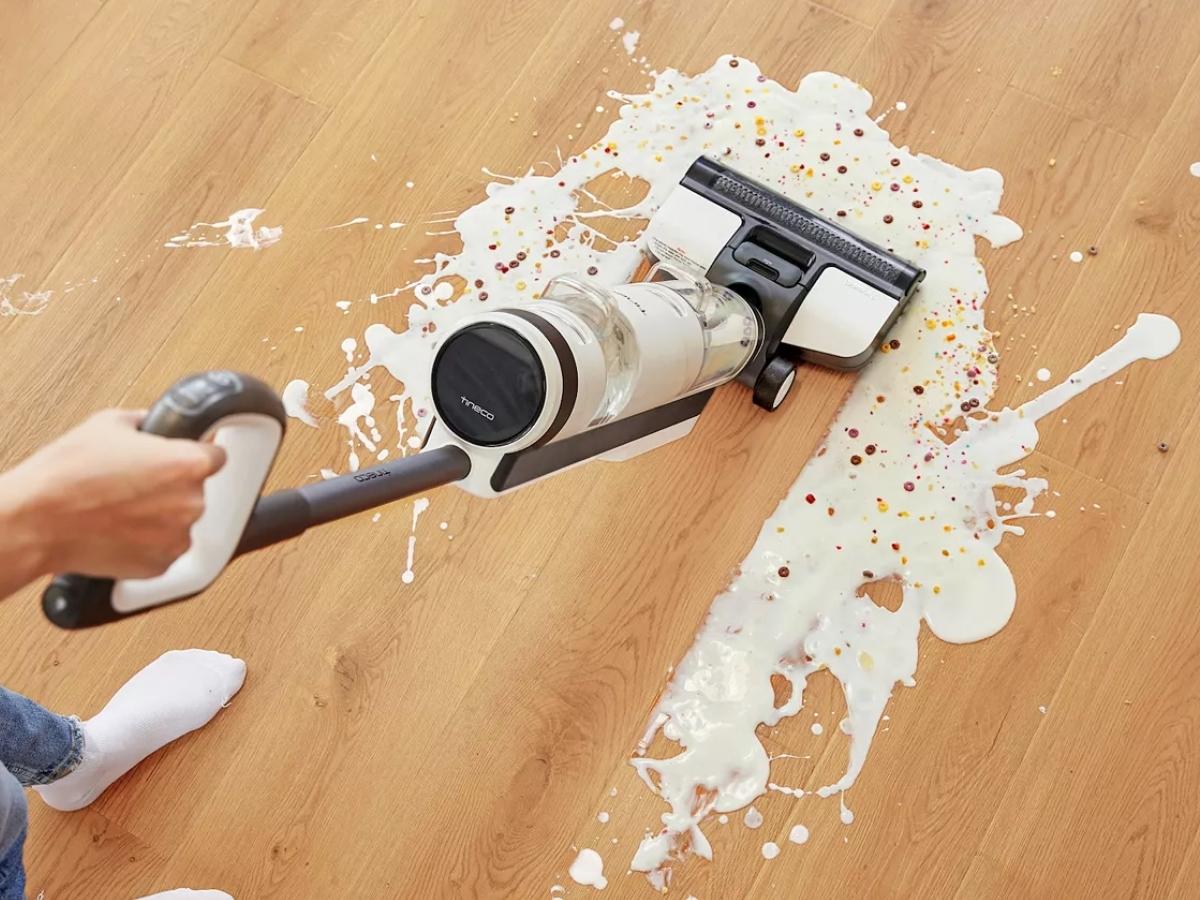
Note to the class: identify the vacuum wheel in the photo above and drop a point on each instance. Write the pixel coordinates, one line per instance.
(774, 383)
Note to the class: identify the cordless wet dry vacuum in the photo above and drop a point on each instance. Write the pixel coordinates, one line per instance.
(747, 285)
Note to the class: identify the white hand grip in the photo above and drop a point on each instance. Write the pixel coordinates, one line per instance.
(250, 441)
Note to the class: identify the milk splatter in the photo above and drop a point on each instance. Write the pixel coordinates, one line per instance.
(29, 303)
(630, 41)
(770, 850)
(798, 834)
(357, 417)
(1194, 169)
(419, 506)
(357, 220)
(295, 402)
(753, 818)
(240, 233)
(902, 488)
(588, 869)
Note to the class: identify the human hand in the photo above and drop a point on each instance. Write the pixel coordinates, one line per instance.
(106, 499)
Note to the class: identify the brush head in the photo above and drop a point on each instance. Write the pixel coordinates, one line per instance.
(826, 295)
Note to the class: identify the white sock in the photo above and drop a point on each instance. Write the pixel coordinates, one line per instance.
(175, 694)
(188, 894)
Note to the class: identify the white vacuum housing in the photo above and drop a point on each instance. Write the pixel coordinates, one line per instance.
(530, 390)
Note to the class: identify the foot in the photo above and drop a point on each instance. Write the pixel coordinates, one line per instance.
(177, 693)
(189, 894)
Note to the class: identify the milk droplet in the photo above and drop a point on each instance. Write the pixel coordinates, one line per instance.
(770, 850)
(588, 869)
(295, 402)
(846, 814)
(798, 834)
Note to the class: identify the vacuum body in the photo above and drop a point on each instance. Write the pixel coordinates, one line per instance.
(585, 372)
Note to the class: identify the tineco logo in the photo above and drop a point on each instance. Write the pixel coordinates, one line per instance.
(476, 408)
(372, 474)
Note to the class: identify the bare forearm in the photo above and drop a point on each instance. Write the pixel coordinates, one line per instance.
(23, 544)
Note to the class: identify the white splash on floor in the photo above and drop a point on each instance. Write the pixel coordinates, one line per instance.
(1076, 256)
(295, 402)
(630, 41)
(1042, 374)
(588, 869)
(1194, 169)
(240, 233)
(29, 303)
(902, 488)
(419, 506)
(355, 418)
(770, 850)
(617, 24)
(357, 220)
(753, 818)
(798, 834)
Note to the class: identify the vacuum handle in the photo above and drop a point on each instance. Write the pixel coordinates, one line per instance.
(241, 415)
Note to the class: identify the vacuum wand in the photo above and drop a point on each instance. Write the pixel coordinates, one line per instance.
(288, 514)
(247, 419)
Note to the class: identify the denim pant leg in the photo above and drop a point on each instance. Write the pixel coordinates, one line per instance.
(36, 745)
(12, 837)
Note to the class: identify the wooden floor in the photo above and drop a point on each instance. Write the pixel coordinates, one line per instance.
(456, 737)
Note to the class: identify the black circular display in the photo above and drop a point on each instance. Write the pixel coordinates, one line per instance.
(489, 385)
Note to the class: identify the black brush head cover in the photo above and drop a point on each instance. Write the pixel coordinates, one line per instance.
(489, 386)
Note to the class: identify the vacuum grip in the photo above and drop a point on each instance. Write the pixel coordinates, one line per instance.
(243, 416)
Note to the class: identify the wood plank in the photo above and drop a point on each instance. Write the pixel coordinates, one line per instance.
(91, 856)
(1121, 64)
(1060, 207)
(33, 42)
(1189, 873)
(315, 47)
(226, 149)
(950, 62)
(1113, 767)
(1146, 263)
(128, 73)
(868, 12)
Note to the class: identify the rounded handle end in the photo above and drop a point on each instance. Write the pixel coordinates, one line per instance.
(79, 601)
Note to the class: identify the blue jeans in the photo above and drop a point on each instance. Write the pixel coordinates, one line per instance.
(36, 747)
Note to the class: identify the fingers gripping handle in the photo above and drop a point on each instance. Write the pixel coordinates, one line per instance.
(243, 416)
